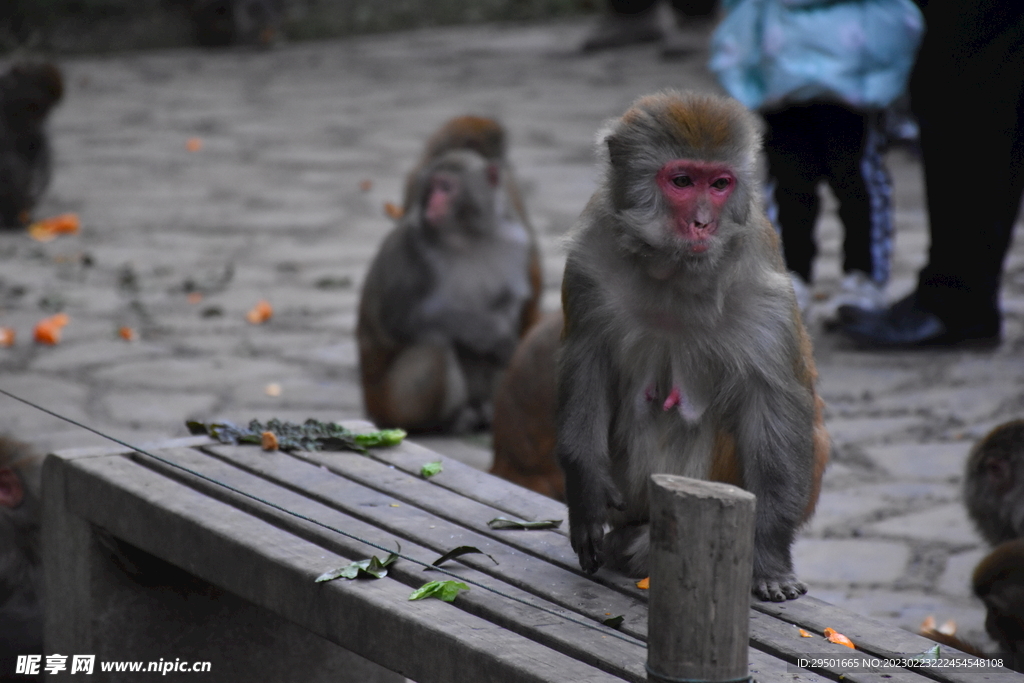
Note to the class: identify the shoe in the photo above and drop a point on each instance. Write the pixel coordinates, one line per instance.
(906, 325)
(858, 289)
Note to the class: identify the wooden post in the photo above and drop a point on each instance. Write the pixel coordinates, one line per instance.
(702, 546)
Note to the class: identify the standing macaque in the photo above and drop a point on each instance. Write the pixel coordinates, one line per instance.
(21, 613)
(523, 429)
(451, 291)
(683, 351)
(28, 91)
(994, 483)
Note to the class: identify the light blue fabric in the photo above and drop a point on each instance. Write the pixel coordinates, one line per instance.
(769, 53)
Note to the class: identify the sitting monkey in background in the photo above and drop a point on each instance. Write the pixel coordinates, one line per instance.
(683, 350)
(28, 91)
(451, 290)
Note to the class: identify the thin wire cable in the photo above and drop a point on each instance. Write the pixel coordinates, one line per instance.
(605, 630)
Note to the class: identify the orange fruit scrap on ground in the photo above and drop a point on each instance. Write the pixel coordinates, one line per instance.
(128, 334)
(48, 228)
(47, 330)
(195, 297)
(365, 185)
(6, 336)
(834, 636)
(644, 584)
(805, 634)
(392, 210)
(193, 144)
(268, 441)
(260, 313)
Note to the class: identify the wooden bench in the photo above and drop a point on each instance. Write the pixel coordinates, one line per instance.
(231, 564)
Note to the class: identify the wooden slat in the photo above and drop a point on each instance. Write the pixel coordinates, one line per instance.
(877, 638)
(466, 481)
(275, 569)
(453, 517)
(599, 648)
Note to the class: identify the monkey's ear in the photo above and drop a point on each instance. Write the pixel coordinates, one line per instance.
(12, 492)
(493, 175)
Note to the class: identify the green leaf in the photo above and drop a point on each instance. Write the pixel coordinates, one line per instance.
(457, 552)
(614, 622)
(442, 590)
(372, 568)
(430, 469)
(382, 437)
(506, 523)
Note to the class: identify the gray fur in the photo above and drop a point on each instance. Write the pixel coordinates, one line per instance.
(644, 314)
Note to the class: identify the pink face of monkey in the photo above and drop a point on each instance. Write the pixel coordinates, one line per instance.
(695, 192)
(444, 187)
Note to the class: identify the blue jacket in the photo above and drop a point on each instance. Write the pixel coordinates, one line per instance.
(769, 53)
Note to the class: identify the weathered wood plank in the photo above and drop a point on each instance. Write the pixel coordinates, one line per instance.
(441, 517)
(467, 481)
(599, 647)
(876, 637)
(273, 568)
(316, 481)
(783, 640)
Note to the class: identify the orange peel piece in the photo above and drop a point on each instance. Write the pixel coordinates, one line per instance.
(392, 210)
(268, 441)
(6, 337)
(48, 228)
(194, 297)
(644, 584)
(193, 144)
(128, 334)
(834, 636)
(47, 331)
(366, 185)
(805, 634)
(260, 313)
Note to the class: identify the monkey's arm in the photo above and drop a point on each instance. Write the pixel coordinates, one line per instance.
(583, 417)
(774, 416)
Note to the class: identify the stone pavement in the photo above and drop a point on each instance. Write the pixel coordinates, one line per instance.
(301, 148)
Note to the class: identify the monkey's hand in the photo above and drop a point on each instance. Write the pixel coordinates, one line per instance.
(778, 588)
(586, 525)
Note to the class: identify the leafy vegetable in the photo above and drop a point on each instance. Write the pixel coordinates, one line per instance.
(312, 435)
(442, 590)
(614, 622)
(506, 523)
(431, 468)
(372, 568)
(457, 552)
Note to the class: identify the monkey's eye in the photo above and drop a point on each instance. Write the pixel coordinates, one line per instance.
(682, 181)
(721, 183)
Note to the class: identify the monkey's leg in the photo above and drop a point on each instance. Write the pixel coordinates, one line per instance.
(424, 388)
(774, 438)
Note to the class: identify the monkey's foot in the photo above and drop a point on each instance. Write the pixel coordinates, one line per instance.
(780, 589)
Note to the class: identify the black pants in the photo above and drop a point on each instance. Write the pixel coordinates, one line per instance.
(808, 143)
(967, 91)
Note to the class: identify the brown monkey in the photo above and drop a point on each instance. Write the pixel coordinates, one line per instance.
(994, 483)
(445, 299)
(683, 349)
(28, 91)
(21, 614)
(523, 429)
(486, 137)
(999, 582)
